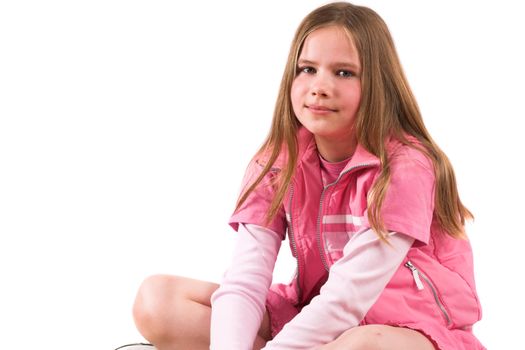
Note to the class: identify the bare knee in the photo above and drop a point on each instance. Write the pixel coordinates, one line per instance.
(369, 337)
(382, 337)
(155, 304)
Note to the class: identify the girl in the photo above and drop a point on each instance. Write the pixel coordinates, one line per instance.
(370, 206)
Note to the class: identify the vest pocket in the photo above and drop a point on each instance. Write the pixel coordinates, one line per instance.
(451, 294)
(418, 278)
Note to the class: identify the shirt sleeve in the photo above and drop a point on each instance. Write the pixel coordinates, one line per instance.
(408, 206)
(354, 284)
(254, 209)
(238, 305)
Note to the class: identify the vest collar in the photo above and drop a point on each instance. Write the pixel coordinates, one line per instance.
(307, 146)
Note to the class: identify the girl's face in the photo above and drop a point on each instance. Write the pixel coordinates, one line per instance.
(327, 90)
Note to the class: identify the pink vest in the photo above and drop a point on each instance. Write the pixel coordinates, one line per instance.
(435, 282)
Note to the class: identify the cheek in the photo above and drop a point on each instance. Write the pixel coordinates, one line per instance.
(296, 95)
(353, 96)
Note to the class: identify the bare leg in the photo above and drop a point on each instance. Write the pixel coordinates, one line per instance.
(380, 337)
(173, 313)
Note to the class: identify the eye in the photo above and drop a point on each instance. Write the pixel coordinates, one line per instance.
(306, 69)
(345, 73)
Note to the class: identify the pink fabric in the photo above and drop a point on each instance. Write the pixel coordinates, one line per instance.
(253, 210)
(354, 284)
(409, 201)
(320, 220)
(280, 311)
(330, 171)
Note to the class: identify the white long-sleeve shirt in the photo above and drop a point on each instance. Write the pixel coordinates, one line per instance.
(354, 284)
(239, 304)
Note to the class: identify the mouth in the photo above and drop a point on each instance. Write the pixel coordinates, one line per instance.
(320, 109)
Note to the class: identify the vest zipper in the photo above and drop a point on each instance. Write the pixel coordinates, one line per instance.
(416, 274)
(320, 214)
(294, 245)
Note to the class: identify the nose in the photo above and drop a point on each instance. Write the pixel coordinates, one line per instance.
(321, 86)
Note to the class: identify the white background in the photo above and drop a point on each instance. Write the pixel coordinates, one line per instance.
(126, 126)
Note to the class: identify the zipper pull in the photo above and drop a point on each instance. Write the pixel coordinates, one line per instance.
(415, 274)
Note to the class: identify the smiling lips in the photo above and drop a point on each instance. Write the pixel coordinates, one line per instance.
(318, 109)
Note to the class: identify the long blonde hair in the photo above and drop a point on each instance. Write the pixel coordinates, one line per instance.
(387, 109)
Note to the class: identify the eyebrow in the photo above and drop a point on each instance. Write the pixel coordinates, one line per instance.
(334, 64)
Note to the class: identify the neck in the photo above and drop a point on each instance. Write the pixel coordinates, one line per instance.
(335, 150)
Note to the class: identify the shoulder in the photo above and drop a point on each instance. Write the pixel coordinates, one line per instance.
(305, 146)
(409, 157)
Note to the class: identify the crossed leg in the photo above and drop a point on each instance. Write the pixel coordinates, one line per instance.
(173, 313)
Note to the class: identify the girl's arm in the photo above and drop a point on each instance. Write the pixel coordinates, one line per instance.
(238, 305)
(354, 284)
